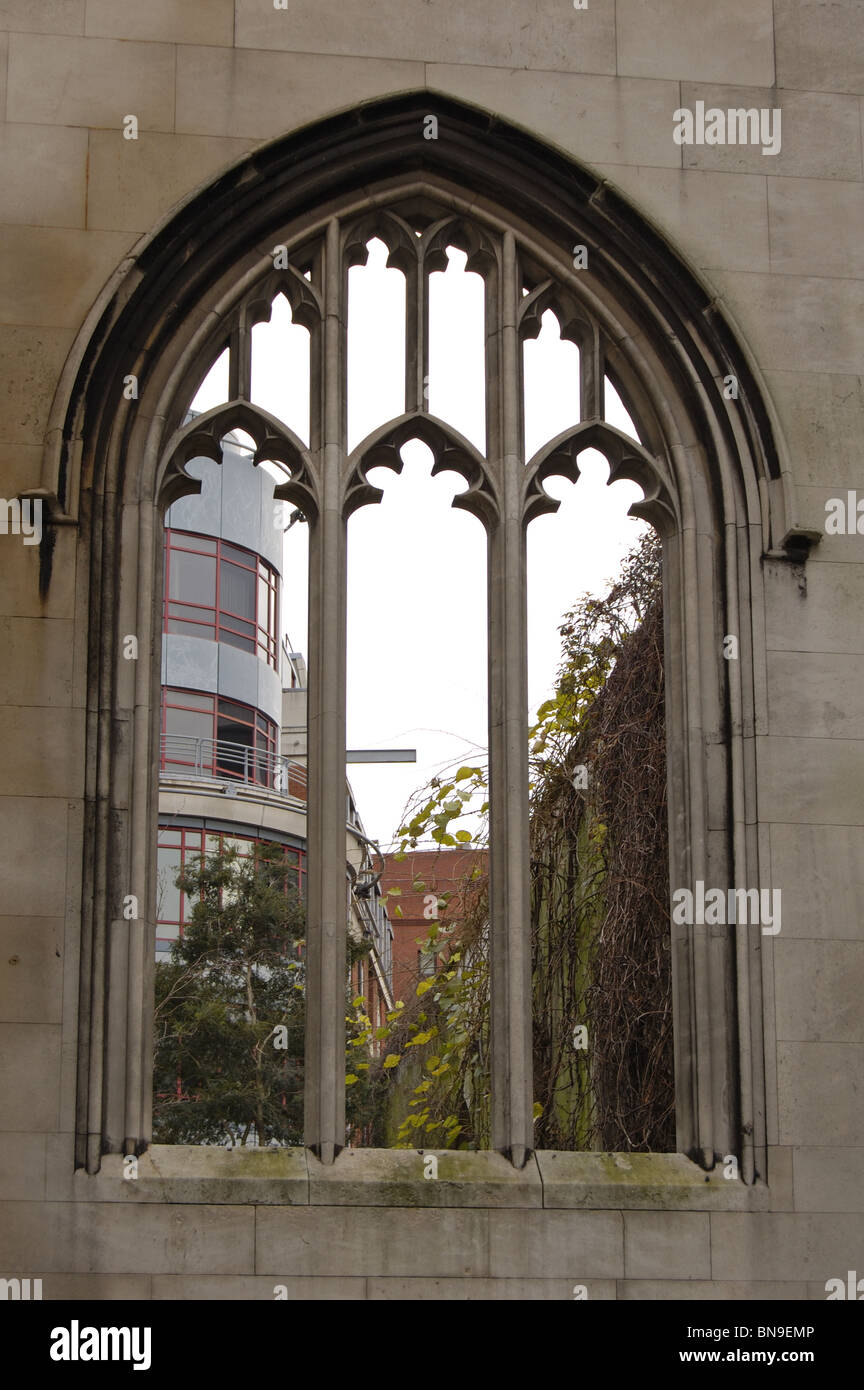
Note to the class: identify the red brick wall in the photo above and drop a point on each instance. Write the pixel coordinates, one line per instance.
(441, 871)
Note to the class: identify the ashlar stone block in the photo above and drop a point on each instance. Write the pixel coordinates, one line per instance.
(55, 80)
(820, 44)
(246, 93)
(733, 42)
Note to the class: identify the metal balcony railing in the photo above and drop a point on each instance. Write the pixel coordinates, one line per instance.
(214, 759)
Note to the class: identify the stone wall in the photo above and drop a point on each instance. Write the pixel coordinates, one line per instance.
(779, 239)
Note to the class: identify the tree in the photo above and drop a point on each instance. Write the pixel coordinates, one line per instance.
(230, 1009)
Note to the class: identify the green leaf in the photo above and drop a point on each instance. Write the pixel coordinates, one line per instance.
(350, 1079)
(442, 837)
(392, 1060)
(423, 986)
(463, 836)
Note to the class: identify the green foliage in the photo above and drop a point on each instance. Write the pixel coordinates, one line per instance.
(230, 1006)
(600, 877)
(598, 874)
(230, 1009)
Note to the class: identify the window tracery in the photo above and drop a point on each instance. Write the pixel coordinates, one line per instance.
(293, 221)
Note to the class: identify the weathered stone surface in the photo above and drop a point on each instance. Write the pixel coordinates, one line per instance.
(50, 277)
(820, 132)
(816, 694)
(734, 43)
(668, 1182)
(372, 1241)
(185, 1173)
(162, 20)
(662, 1244)
(575, 1245)
(22, 1167)
(489, 1290)
(90, 82)
(598, 120)
(817, 1082)
(29, 1076)
(814, 226)
(133, 183)
(784, 317)
(721, 219)
(96, 1288)
(814, 1247)
(33, 829)
(30, 360)
(821, 416)
(60, 774)
(47, 17)
(822, 876)
(811, 780)
(116, 1238)
(522, 34)
(829, 1179)
(43, 170)
(31, 969)
(241, 92)
(710, 1291)
(820, 45)
(392, 1177)
(257, 1288)
(819, 989)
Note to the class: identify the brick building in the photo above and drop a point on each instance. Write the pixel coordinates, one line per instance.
(427, 886)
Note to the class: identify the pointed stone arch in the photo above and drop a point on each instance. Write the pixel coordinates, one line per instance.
(716, 485)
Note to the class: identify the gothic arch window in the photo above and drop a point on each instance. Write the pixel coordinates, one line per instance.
(291, 221)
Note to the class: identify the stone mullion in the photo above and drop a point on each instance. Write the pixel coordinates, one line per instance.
(327, 910)
(509, 896)
(240, 360)
(592, 395)
(416, 338)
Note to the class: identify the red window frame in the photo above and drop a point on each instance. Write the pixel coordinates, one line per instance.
(260, 630)
(192, 842)
(265, 735)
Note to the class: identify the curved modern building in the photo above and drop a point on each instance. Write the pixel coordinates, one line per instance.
(233, 743)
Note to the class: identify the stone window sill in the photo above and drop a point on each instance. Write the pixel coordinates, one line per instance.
(395, 1178)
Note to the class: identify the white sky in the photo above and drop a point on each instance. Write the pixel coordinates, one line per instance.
(417, 566)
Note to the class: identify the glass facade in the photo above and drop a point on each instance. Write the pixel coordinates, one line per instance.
(221, 592)
(215, 737)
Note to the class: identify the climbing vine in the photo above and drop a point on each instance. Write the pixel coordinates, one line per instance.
(601, 976)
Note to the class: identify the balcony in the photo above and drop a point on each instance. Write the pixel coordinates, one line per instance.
(217, 760)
